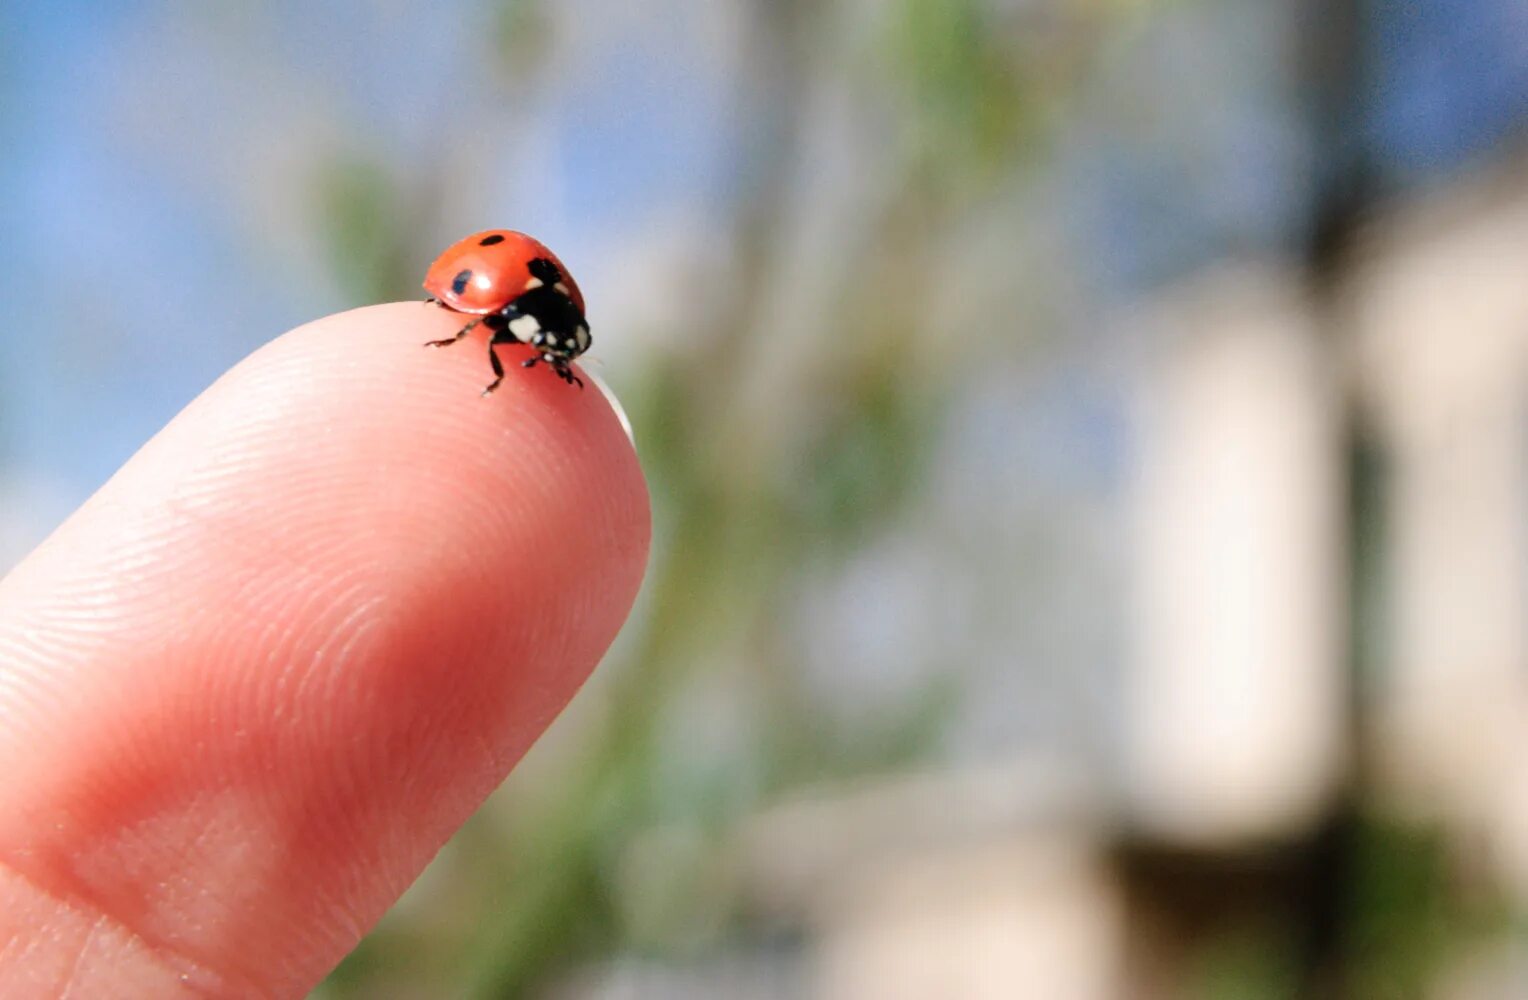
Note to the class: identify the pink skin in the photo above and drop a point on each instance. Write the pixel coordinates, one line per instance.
(250, 688)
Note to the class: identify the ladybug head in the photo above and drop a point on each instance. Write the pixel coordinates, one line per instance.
(558, 327)
(544, 271)
(567, 343)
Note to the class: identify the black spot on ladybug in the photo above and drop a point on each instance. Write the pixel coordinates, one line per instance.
(488, 241)
(545, 270)
(459, 283)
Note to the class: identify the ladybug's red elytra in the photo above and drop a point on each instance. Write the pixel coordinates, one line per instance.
(517, 288)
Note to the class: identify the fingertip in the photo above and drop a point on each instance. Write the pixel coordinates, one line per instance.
(256, 682)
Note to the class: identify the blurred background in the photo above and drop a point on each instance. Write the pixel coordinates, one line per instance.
(1089, 441)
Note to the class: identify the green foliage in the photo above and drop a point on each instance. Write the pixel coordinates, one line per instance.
(522, 36)
(965, 101)
(1412, 912)
(1245, 963)
(861, 465)
(364, 227)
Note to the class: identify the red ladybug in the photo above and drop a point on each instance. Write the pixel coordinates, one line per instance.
(516, 287)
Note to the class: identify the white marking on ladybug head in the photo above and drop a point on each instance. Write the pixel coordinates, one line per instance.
(561, 289)
(533, 283)
(525, 327)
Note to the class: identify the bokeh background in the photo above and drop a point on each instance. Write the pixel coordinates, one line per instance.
(1089, 441)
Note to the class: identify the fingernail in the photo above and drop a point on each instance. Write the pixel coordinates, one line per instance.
(615, 404)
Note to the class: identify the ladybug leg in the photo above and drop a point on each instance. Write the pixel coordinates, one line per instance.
(559, 368)
(499, 324)
(459, 335)
(498, 368)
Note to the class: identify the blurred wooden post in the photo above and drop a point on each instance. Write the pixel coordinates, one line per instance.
(1442, 309)
(963, 886)
(1004, 920)
(1235, 704)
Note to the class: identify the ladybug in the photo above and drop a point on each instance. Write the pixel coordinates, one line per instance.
(517, 288)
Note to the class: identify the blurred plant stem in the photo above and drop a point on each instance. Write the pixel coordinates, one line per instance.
(365, 225)
(726, 543)
(742, 511)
